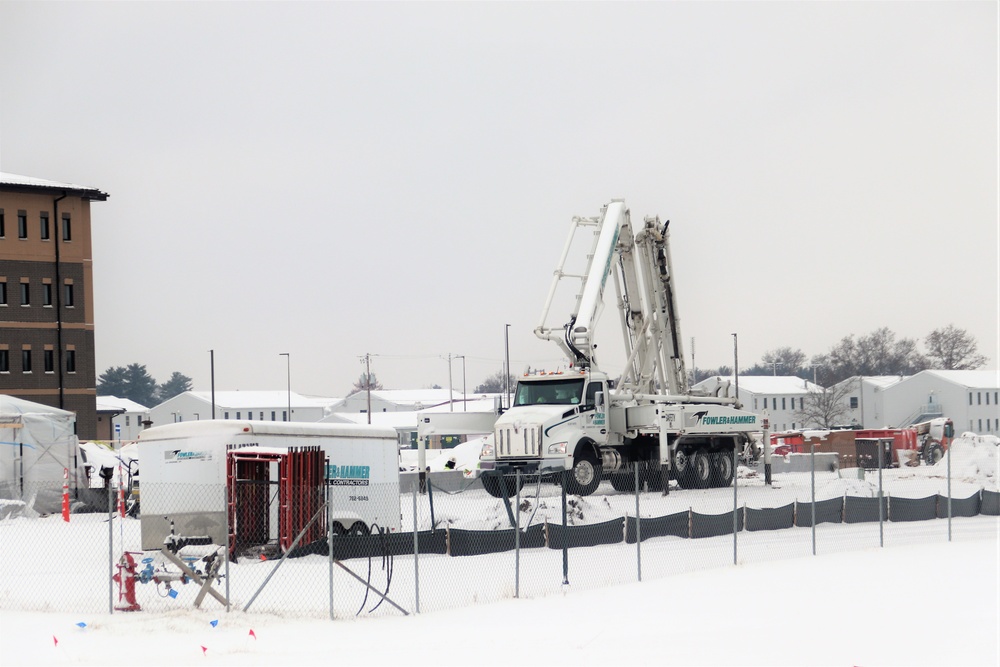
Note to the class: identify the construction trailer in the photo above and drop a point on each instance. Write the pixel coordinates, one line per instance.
(250, 483)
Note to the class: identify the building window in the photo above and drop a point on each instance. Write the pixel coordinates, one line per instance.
(69, 295)
(226, 414)
(273, 416)
(262, 415)
(854, 402)
(22, 225)
(26, 360)
(47, 294)
(970, 403)
(3, 230)
(238, 415)
(979, 398)
(3, 292)
(25, 294)
(43, 220)
(755, 403)
(987, 398)
(126, 420)
(67, 228)
(49, 358)
(284, 415)
(71, 363)
(980, 426)
(4, 361)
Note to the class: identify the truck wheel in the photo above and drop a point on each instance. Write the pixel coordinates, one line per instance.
(681, 468)
(497, 485)
(722, 468)
(933, 453)
(623, 482)
(337, 529)
(585, 476)
(701, 469)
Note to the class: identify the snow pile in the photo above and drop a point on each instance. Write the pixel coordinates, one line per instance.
(974, 459)
(464, 457)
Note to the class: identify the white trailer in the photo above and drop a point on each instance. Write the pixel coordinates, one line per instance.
(184, 473)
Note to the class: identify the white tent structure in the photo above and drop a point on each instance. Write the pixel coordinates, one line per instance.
(37, 444)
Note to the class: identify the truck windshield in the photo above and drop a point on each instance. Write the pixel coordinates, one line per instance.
(550, 392)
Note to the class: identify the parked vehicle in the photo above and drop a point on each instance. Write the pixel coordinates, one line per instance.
(580, 420)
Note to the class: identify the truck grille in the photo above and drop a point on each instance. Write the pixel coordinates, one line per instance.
(519, 441)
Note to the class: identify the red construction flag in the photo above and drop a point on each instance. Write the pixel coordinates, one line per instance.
(55, 642)
(204, 650)
(252, 633)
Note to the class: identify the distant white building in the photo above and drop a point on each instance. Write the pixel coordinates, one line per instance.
(255, 405)
(864, 399)
(782, 396)
(396, 400)
(119, 418)
(968, 398)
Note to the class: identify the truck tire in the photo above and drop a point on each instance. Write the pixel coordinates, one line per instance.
(933, 453)
(722, 469)
(585, 476)
(623, 482)
(681, 468)
(701, 470)
(499, 486)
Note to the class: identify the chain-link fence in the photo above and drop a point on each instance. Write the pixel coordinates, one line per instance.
(449, 540)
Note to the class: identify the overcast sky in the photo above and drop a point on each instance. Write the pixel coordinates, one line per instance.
(336, 179)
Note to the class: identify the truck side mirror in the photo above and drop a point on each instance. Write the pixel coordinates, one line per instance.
(599, 401)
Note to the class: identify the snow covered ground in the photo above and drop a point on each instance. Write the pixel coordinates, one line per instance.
(934, 604)
(920, 600)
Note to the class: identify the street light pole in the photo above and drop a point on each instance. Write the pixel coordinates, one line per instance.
(288, 359)
(465, 397)
(506, 357)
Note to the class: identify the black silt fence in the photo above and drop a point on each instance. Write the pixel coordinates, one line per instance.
(959, 506)
(913, 509)
(859, 510)
(990, 504)
(391, 544)
(713, 525)
(676, 525)
(478, 542)
(775, 518)
(827, 511)
(608, 532)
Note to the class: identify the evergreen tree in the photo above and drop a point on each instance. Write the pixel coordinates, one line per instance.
(176, 385)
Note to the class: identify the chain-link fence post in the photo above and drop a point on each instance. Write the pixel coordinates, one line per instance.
(735, 505)
(565, 549)
(416, 553)
(638, 530)
(111, 546)
(948, 467)
(517, 533)
(812, 489)
(225, 508)
(881, 509)
(329, 543)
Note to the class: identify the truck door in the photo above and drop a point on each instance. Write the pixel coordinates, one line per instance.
(594, 412)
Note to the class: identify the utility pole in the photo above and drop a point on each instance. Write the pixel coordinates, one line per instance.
(368, 384)
(451, 394)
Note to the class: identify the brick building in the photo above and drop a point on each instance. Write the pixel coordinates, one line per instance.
(47, 296)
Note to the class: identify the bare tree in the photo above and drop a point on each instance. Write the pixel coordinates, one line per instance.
(494, 384)
(786, 359)
(953, 349)
(824, 408)
(877, 353)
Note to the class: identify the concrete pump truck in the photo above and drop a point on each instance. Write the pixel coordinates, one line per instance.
(581, 421)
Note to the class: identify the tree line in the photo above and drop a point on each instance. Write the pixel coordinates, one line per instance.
(880, 352)
(136, 384)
